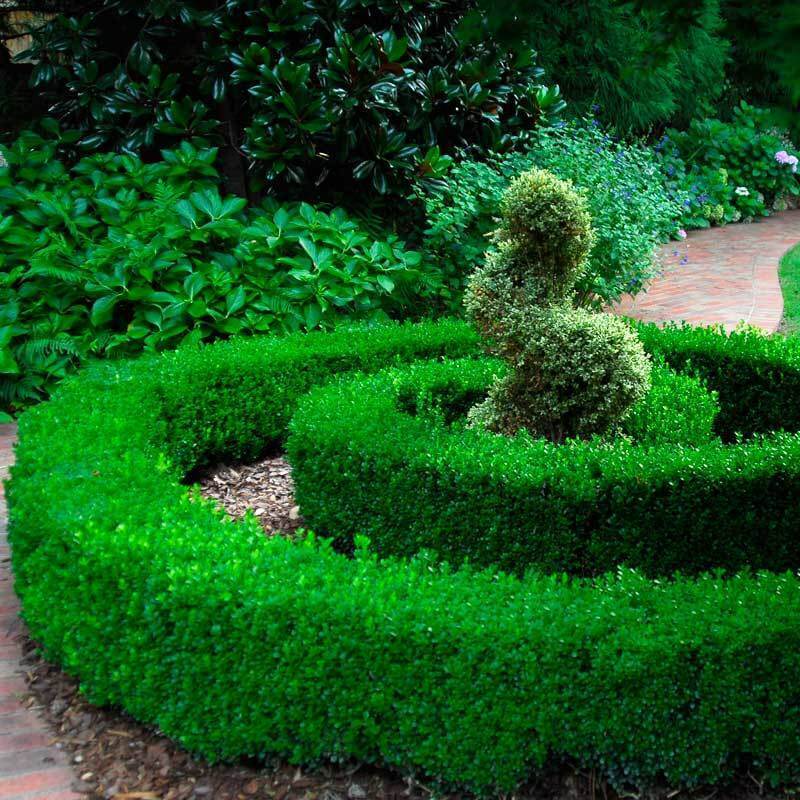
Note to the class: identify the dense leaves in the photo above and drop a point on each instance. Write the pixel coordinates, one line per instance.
(235, 644)
(640, 68)
(572, 371)
(320, 97)
(114, 256)
(628, 201)
(409, 474)
(720, 172)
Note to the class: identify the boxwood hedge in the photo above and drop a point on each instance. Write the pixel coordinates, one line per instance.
(235, 644)
(410, 482)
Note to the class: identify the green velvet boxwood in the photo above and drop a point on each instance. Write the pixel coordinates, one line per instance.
(236, 644)
(584, 507)
(757, 377)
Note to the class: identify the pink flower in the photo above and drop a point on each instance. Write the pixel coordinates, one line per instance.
(782, 157)
(681, 234)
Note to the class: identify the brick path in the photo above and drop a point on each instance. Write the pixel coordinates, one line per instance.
(730, 275)
(30, 766)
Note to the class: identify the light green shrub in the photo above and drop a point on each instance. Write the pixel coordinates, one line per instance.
(573, 372)
(631, 209)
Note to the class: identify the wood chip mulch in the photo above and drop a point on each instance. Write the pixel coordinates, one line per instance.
(117, 758)
(265, 488)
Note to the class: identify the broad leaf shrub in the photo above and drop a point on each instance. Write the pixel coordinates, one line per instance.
(721, 172)
(324, 100)
(235, 644)
(584, 507)
(114, 256)
(630, 208)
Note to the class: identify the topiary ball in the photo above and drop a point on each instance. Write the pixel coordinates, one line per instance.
(548, 231)
(579, 374)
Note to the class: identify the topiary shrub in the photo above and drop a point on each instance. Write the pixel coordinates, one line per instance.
(574, 372)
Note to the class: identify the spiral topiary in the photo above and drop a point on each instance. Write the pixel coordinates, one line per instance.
(574, 372)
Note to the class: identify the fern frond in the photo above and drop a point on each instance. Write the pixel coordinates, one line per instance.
(35, 348)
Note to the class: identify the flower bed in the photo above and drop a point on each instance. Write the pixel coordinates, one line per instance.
(235, 644)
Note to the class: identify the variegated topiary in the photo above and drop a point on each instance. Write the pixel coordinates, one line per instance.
(574, 372)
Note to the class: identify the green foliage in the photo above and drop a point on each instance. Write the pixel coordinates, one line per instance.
(790, 287)
(629, 206)
(756, 377)
(576, 373)
(678, 409)
(236, 644)
(322, 99)
(115, 256)
(722, 172)
(409, 474)
(573, 372)
(616, 57)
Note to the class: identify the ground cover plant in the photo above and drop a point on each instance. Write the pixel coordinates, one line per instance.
(790, 286)
(474, 679)
(114, 256)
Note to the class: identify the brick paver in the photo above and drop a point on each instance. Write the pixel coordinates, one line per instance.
(721, 276)
(31, 767)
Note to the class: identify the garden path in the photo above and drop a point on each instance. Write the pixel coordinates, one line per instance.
(31, 767)
(720, 276)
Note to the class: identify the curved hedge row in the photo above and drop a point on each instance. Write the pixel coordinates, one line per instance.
(410, 482)
(236, 644)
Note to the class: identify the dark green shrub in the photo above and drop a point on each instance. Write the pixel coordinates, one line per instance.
(411, 483)
(615, 58)
(325, 100)
(630, 209)
(114, 256)
(236, 644)
(572, 372)
(677, 409)
(757, 378)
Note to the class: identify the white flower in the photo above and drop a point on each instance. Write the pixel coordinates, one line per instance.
(3, 162)
(742, 191)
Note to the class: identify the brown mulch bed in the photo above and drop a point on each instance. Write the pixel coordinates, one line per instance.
(265, 488)
(117, 758)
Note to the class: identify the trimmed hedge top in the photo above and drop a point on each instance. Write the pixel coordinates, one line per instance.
(161, 605)
(584, 507)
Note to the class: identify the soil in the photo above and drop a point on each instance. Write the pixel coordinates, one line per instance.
(117, 758)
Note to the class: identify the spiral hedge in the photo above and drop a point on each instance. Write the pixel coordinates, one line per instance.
(235, 644)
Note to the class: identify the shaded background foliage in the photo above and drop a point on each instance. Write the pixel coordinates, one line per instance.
(312, 99)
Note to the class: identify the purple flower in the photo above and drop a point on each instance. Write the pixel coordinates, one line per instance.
(682, 233)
